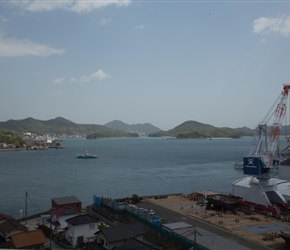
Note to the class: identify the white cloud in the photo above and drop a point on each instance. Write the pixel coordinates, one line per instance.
(78, 6)
(58, 81)
(140, 27)
(105, 21)
(3, 19)
(268, 25)
(98, 75)
(14, 47)
(73, 80)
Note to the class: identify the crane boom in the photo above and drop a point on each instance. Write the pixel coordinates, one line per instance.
(278, 118)
(261, 157)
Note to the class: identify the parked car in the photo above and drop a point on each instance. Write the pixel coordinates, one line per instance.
(151, 212)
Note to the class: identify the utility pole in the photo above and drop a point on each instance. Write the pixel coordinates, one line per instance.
(26, 208)
(195, 239)
(50, 228)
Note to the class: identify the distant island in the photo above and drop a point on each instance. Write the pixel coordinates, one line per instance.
(141, 129)
(61, 127)
(194, 130)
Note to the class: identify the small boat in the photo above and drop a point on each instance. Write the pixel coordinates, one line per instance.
(239, 165)
(58, 146)
(86, 155)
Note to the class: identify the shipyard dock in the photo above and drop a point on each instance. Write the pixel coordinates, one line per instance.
(249, 229)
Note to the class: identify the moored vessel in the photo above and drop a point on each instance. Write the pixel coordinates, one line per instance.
(86, 155)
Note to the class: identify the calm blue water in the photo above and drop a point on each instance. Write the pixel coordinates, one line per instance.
(126, 166)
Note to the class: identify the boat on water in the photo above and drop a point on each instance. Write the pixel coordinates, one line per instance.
(86, 155)
(58, 146)
(239, 165)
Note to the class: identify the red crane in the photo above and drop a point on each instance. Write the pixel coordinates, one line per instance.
(261, 157)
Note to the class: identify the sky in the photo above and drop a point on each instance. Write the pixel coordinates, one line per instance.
(222, 63)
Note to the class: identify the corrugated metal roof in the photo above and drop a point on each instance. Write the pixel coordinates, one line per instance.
(123, 232)
(66, 200)
(64, 211)
(136, 244)
(28, 239)
(9, 225)
(6, 216)
(177, 225)
(82, 219)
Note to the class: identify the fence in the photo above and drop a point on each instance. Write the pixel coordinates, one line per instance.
(151, 221)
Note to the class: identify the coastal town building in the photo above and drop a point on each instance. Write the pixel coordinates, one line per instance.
(133, 243)
(9, 226)
(112, 237)
(68, 201)
(81, 229)
(59, 217)
(28, 240)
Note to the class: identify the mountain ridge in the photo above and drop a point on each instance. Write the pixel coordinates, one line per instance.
(117, 128)
(194, 129)
(59, 125)
(142, 129)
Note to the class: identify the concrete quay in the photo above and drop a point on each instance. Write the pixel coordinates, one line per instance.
(248, 229)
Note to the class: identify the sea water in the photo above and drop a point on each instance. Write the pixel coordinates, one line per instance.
(125, 166)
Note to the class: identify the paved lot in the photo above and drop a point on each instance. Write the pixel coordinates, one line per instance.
(176, 209)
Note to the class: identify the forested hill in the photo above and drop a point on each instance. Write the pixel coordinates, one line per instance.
(58, 126)
(194, 129)
(62, 126)
(9, 137)
(143, 129)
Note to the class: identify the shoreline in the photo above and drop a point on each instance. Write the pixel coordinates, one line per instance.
(11, 149)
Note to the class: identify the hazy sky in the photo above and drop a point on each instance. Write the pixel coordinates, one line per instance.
(222, 63)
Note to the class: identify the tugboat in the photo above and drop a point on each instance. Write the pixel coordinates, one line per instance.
(86, 155)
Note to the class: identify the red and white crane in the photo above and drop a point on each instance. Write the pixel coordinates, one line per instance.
(261, 159)
(261, 188)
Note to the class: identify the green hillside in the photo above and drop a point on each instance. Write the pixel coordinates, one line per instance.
(9, 137)
(194, 129)
(61, 126)
(145, 128)
(57, 126)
